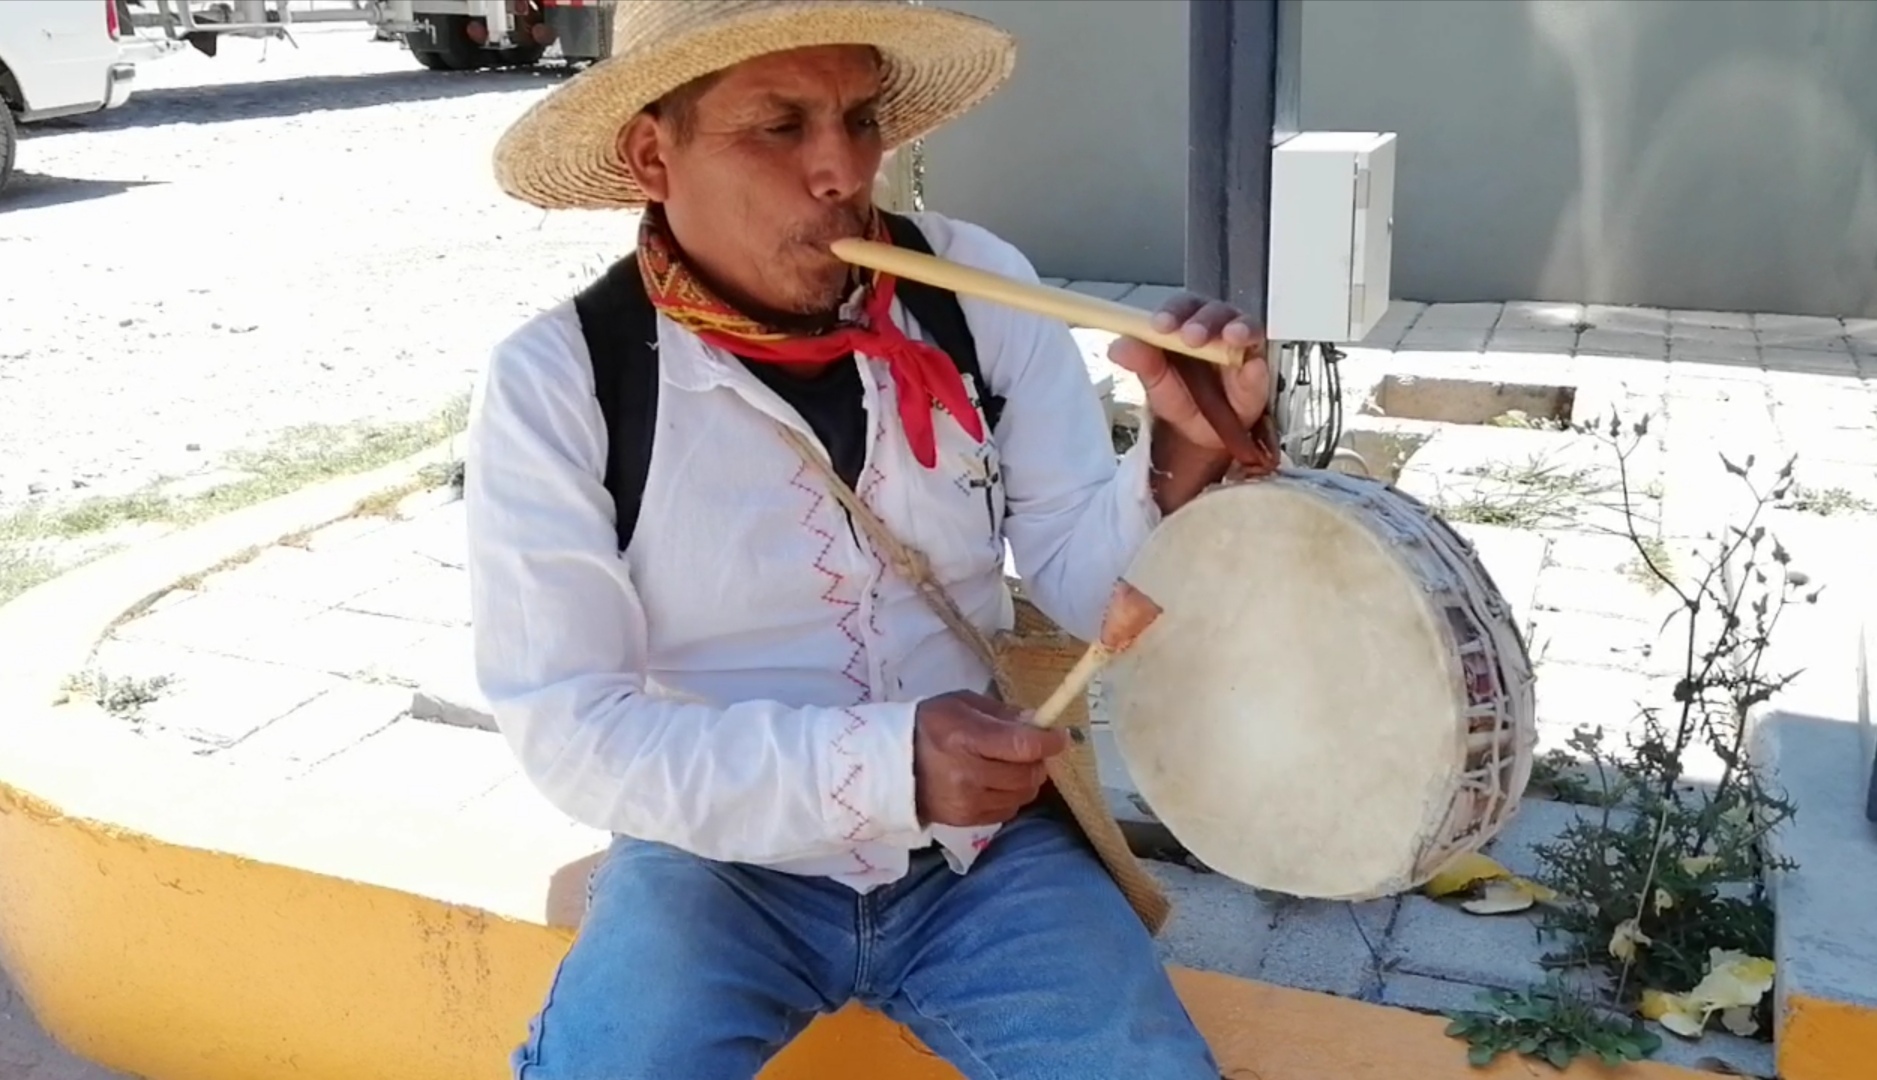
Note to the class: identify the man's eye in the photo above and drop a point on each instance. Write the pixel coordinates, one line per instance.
(784, 128)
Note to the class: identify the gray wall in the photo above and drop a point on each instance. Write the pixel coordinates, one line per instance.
(1081, 158)
(1684, 153)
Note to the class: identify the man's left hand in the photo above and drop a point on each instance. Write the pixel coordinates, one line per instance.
(1198, 321)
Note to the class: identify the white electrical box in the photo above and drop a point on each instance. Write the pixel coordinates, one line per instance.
(1332, 225)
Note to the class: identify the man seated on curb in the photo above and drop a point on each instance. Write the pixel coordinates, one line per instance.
(690, 642)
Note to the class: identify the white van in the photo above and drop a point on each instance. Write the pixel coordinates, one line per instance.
(57, 58)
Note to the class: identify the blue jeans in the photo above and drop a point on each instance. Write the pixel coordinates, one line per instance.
(1030, 967)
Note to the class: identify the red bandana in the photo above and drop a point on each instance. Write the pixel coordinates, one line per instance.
(923, 374)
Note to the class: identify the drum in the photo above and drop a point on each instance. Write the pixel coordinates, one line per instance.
(1336, 699)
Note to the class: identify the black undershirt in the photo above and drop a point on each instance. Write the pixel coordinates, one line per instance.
(833, 404)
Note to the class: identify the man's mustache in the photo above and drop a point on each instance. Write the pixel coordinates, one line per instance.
(842, 224)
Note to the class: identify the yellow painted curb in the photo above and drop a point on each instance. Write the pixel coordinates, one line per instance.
(180, 964)
(1826, 1040)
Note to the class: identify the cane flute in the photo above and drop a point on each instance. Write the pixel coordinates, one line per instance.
(1070, 307)
(1130, 612)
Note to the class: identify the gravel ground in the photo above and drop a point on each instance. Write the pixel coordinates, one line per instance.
(267, 238)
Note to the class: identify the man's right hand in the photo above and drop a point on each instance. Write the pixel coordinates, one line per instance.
(976, 761)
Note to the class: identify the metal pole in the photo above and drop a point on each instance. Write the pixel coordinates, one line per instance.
(1244, 58)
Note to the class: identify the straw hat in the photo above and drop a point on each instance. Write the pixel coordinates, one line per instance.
(563, 153)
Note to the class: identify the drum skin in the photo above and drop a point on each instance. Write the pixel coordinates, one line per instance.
(1298, 715)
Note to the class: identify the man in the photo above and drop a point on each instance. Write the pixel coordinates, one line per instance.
(815, 798)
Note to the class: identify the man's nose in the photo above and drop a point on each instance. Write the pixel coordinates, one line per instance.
(839, 162)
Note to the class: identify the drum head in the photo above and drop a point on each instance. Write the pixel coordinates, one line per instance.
(1291, 716)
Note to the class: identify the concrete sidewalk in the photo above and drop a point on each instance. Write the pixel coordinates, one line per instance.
(28, 1053)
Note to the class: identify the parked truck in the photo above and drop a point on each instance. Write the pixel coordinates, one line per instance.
(443, 35)
(57, 58)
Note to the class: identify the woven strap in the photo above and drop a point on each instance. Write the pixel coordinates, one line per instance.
(909, 561)
(1076, 773)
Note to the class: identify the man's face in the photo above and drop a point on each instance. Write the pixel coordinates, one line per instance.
(775, 159)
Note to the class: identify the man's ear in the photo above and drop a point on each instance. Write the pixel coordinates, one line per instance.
(642, 148)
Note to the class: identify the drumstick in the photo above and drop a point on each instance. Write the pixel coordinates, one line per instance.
(1070, 307)
(1130, 612)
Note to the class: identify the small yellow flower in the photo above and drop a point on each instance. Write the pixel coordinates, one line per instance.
(1623, 942)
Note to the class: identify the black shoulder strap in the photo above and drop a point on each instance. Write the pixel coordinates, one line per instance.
(621, 329)
(937, 311)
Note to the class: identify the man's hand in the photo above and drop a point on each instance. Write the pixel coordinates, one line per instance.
(1188, 453)
(975, 761)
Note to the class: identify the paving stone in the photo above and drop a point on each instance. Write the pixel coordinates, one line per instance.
(1333, 948)
(1443, 942)
(1844, 445)
(1424, 337)
(1569, 695)
(1423, 993)
(1539, 315)
(1481, 316)
(338, 533)
(338, 641)
(1626, 343)
(430, 764)
(1595, 639)
(322, 578)
(1538, 821)
(1626, 594)
(1691, 321)
(1585, 551)
(1801, 331)
(1393, 325)
(1636, 320)
(442, 535)
(1859, 481)
(418, 503)
(1150, 298)
(214, 622)
(1829, 395)
(441, 672)
(209, 699)
(1816, 361)
(338, 718)
(1737, 353)
(1557, 342)
(1217, 924)
(431, 593)
(1106, 290)
(1514, 559)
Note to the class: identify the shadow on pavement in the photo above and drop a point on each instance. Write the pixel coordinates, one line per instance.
(270, 98)
(32, 191)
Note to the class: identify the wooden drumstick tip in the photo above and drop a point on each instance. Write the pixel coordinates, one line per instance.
(1130, 612)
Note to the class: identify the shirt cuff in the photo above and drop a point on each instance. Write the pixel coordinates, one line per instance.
(1136, 512)
(871, 793)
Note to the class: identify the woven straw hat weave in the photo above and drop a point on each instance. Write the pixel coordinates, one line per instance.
(563, 153)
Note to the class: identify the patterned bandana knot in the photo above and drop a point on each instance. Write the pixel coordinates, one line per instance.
(923, 375)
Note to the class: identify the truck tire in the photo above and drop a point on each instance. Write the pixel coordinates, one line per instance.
(9, 141)
(446, 47)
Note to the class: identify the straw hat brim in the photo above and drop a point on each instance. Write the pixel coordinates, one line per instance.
(563, 153)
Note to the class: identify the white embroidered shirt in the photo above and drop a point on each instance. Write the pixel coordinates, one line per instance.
(741, 683)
